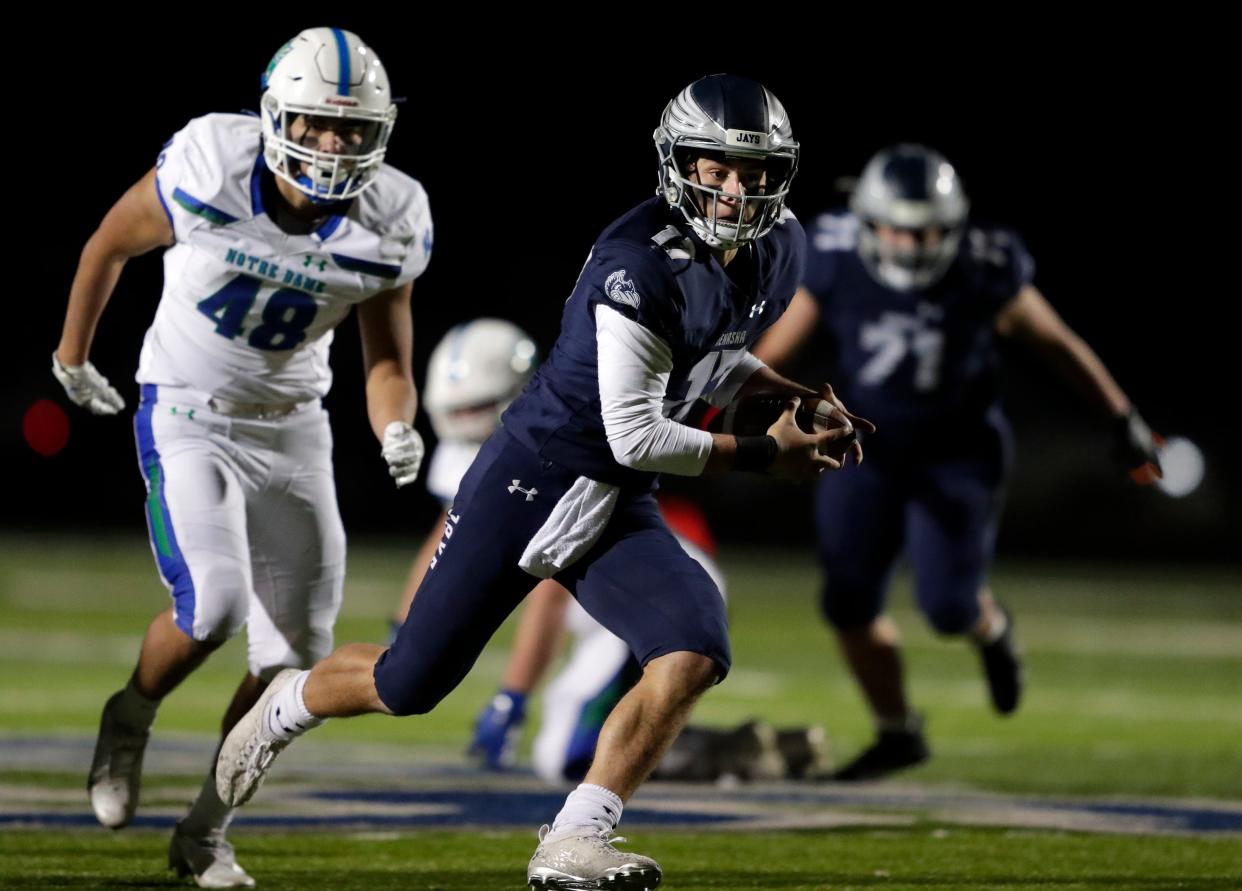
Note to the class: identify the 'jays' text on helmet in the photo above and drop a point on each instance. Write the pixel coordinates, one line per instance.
(733, 117)
(474, 373)
(914, 189)
(331, 77)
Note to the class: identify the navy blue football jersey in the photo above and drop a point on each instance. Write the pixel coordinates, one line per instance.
(921, 359)
(652, 268)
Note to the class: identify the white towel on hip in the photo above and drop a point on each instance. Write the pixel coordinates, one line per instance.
(575, 524)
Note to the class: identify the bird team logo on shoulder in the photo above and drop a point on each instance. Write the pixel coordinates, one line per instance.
(621, 290)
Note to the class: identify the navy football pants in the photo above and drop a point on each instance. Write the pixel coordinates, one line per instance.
(636, 580)
(944, 515)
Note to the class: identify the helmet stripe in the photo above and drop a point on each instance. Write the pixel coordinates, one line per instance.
(342, 50)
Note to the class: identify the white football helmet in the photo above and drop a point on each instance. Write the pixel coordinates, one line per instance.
(474, 373)
(912, 188)
(326, 73)
(734, 117)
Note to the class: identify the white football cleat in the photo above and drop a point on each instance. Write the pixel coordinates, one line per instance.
(589, 861)
(209, 858)
(250, 748)
(116, 769)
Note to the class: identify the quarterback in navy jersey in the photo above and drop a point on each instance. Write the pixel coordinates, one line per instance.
(910, 300)
(670, 298)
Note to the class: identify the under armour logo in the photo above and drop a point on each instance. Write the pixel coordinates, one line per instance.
(529, 493)
(757, 309)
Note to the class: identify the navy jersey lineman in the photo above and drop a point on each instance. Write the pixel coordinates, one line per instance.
(909, 298)
(671, 295)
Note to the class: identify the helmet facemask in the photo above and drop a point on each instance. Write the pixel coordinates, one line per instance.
(912, 267)
(326, 177)
(914, 192)
(725, 219)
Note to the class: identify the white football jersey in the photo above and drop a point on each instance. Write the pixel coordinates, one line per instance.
(248, 310)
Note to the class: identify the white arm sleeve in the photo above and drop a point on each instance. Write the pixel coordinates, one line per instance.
(634, 367)
(746, 364)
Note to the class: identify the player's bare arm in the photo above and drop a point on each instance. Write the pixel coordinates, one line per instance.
(387, 330)
(135, 225)
(781, 343)
(1030, 319)
(386, 327)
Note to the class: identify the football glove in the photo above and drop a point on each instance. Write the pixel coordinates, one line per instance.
(87, 387)
(1136, 449)
(403, 450)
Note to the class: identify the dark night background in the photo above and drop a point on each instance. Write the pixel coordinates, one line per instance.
(1107, 155)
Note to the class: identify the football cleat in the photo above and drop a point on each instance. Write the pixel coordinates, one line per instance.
(1002, 665)
(116, 769)
(250, 748)
(893, 750)
(588, 862)
(209, 858)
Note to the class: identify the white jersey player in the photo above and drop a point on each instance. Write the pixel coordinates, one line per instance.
(275, 227)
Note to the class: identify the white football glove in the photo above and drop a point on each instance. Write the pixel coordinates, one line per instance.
(403, 450)
(87, 387)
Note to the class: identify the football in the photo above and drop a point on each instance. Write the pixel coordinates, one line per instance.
(753, 415)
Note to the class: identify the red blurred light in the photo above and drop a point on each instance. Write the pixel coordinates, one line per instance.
(46, 427)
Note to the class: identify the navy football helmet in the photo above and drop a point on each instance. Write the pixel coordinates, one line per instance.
(913, 189)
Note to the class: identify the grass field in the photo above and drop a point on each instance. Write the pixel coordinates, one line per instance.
(1135, 695)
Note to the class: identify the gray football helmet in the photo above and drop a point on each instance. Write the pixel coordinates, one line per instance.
(911, 188)
(733, 117)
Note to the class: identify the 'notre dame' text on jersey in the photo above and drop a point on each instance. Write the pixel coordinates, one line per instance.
(248, 309)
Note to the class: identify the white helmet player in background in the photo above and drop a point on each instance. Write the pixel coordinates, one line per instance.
(475, 371)
(913, 212)
(326, 78)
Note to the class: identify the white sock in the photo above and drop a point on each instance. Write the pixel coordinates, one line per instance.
(134, 710)
(207, 812)
(286, 714)
(588, 809)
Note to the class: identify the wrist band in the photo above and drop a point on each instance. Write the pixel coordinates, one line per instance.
(755, 453)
